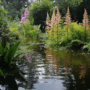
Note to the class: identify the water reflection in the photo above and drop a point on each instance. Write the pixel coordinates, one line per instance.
(74, 66)
(21, 80)
(51, 70)
(83, 70)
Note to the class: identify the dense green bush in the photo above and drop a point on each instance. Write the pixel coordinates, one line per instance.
(30, 30)
(38, 10)
(3, 15)
(7, 55)
(4, 31)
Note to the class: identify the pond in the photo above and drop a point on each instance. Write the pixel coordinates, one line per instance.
(51, 69)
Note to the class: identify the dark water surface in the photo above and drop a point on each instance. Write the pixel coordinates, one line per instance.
(51, 69)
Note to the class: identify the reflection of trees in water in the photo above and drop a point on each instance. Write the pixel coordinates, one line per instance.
(66, 66)
(77, 77)
(53, 59)
(13, 82)
(54, 65)
(9, 81)
(83, 70)
(31, 79)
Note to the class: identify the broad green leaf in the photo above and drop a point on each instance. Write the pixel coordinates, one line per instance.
(12, 51)
(7, 55)
(1, 73)
(15, 58)
(1, 49)
(3, 42)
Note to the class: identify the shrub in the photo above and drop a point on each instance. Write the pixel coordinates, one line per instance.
(38, 10)
(77, 32)
(30, 30)
(7, 55)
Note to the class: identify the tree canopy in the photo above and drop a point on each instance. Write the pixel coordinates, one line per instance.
(38, 11)
(14, 6)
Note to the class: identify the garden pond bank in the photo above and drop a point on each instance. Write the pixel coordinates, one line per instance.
(50, 69)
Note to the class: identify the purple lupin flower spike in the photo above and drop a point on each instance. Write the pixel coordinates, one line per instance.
(24, 16)
(28, 57)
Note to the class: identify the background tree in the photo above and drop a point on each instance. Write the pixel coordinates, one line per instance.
(38, 10)
(80, 10)
(63, 4)
(14, 6)
(3, 15)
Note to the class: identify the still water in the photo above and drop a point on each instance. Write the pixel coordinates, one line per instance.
(51, 69)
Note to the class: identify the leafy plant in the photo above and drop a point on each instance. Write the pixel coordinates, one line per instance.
(38, 10)
(75, 44)
(48, 21)
(30, 30)
(7, 52)
(1, 73)
(87, 46)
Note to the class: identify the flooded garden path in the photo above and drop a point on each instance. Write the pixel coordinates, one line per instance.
(51, 69)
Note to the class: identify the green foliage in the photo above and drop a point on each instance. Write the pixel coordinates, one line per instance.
(76, 32)
(57, 37)
(13, 7)
(1, 73)
(38, 10)
(16, 30)
(75, 44)
(7, 51)
(10, 53)
(3, 15)
(76, 35)
(30, 30)
(66, 3)
(87, 46)
(22, 10)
